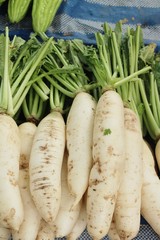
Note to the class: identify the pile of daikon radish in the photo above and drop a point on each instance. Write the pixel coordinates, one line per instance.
(79, 138)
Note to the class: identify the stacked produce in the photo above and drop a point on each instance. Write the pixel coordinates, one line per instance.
(80, 131)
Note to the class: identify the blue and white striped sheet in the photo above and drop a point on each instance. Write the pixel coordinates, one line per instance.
(82, 18)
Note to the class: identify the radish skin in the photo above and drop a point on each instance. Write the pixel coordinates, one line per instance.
(79, 131)
(108, 156)
(5, 233)
(81, 223)
(11, 207)
(127, 210)
(30, 225)
(112, 233)
(45, 232)
(150, 204)
(67, 216)
(45, 165)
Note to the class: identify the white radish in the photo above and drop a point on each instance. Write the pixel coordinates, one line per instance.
(150, 204)
(79, 131)
(5, 233)
(45, 232)
(30, 225)
(67, 216)
(108, 156)
(11, 207)
(127, 210)
(112, 233)
(45, 165)
(80, 225)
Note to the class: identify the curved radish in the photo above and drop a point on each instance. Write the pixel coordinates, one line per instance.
(45, 165)
(79, 130)
(150, 204)
(11, 207)
(108, 156)
(5, 233)
(30, 225)
(127, 210)
(67, 216)
(45, 232)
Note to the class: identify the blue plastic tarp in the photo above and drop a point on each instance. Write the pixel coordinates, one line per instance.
(82, 18)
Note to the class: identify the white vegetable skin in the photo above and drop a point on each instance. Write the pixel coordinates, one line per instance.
(45, 232)
(67, 215)
(112, 233)
(11, 207)
(79, 132)
(45, 165)
(108, 156)
(80, 224)
(150, 204)
(30, 225)
(127, 210)
(5, 233)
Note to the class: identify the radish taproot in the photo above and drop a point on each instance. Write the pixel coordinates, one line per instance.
(108, 162)
(45, 231)
(5, 233)
(127, 210)
(150, 190)
(45, 165)
(11, 206)
(30, 225)
(112, 233)
(79, 131)
(67, 215)
(46, 159)
(81, 222)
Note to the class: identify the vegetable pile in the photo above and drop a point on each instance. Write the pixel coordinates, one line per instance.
(80, 130)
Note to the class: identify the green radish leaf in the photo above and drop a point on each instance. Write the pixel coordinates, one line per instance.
(156, 70)
(16, 43)
(107, 131)
(118, 31)
(141, 109)
(2, 54)
(147, 53)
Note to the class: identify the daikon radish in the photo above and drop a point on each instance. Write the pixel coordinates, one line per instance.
(108, 156)
(45, 165)
(67, 216)
(5, 233)
(30, 225)
(81, 223)
(150, 204)
(79, 131)
(45, 232)
(127, 210)
(112, 233)
(11, 207)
